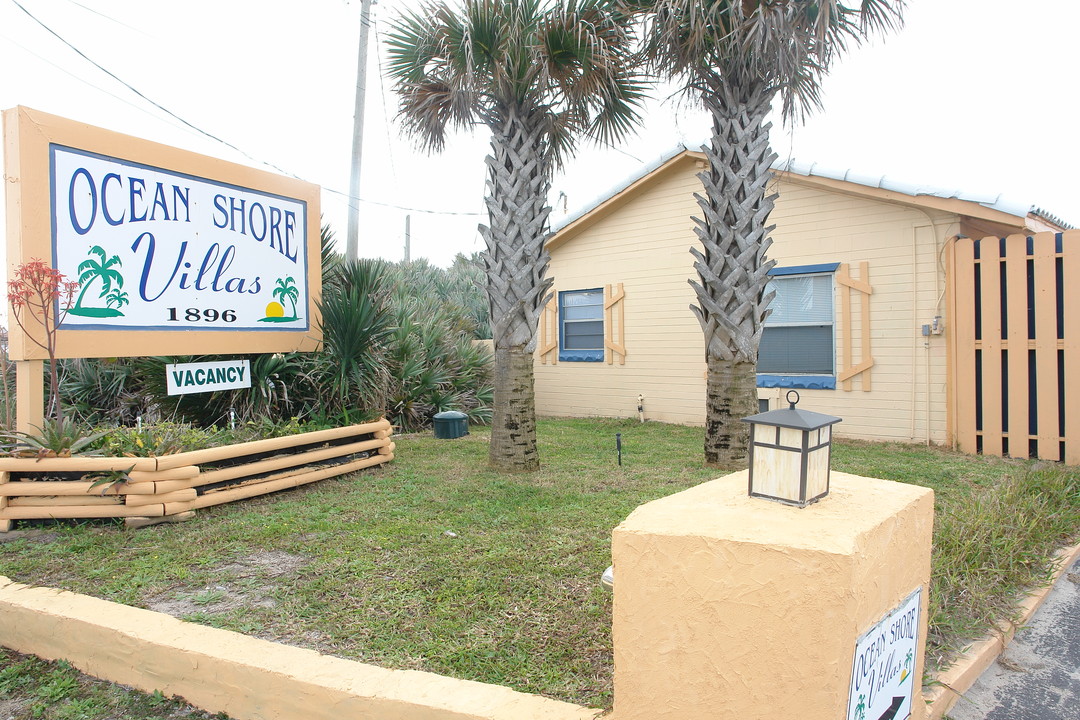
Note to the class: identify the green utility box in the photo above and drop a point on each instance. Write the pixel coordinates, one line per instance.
(451, 424)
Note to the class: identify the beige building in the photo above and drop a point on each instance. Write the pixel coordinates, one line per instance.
(858, 325)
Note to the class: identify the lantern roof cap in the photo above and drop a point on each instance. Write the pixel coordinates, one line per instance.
(792, 417)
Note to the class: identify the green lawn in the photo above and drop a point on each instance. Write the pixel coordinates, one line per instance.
(436, 563)
(32, 689)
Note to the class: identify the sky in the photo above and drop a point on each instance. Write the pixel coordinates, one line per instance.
(971, 95)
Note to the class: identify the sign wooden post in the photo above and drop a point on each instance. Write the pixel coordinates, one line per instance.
(29, 395)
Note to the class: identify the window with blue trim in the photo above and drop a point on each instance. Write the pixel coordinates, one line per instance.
(581, 325)
(797, 345)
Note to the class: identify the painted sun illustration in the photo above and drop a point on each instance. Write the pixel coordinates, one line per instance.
(275, 310)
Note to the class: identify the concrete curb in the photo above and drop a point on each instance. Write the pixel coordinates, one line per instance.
(951, 684)
(248, 678)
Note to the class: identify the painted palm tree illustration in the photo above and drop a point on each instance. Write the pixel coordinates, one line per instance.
(734, 59)
(286, 289)
(117, 298)
(860, 709)
(539, 75)
(101, 271)
(907, 666)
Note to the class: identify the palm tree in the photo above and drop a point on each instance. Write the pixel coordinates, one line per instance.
(539, 75)
(286, 289)
(735, 57)
(90, 270)
(117, 298)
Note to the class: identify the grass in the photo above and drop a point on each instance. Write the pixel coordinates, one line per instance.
(436, 563)
(31, 688)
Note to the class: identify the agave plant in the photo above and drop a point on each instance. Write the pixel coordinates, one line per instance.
(55, 438)
(355, 326)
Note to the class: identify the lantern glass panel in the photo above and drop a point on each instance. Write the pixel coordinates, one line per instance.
(765, 434)
(817, 473)
(791, 438)
(776, 473)
(825, 433)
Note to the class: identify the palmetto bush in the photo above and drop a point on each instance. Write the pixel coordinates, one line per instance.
(398, 340)
(460, 287)
(111, 391)
(434, 362)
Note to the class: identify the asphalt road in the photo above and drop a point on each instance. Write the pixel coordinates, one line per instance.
(1038, 676)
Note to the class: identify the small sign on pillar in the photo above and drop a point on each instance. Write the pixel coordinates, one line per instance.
(790, 453)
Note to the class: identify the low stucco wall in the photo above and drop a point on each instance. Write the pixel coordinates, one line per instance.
(731, 607)
(250, 679)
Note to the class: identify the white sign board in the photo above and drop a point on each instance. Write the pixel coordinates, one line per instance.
(161, 250)
(882, 672)
(187, 378)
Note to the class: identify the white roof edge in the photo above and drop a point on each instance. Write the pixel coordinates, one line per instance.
(812, 169)
(884, 182)
(614, 190)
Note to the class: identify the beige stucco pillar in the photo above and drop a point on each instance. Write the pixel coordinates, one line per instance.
(30, 396)
(728, 606)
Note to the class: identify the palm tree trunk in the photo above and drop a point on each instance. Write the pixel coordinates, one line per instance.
(516, 262)
(730, 395)
(513, 427)
(732, 268)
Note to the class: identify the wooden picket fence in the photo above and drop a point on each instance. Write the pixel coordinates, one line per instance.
(1015, 345)
(172, 487)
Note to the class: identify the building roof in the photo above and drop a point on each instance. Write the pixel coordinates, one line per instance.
(918, 194)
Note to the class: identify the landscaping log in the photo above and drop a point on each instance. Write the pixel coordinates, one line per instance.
(81, 511)
(81, 463)
(82, 488)
(62, 501)
(177, 473)
(5, 525)
(184, 495)
(134, 523)
(239, 493)
(261, 466)
(227, 452)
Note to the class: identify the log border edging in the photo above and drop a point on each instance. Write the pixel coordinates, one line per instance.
(168, 488)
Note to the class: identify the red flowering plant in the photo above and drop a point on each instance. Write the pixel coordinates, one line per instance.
(44, 293)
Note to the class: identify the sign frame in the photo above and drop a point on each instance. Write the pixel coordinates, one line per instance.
(30, 137)
(880, 662)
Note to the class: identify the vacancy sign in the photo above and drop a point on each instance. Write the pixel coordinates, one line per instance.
(187, 378)
(882, 672)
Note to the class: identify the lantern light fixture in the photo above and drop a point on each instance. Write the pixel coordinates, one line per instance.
(790, 453)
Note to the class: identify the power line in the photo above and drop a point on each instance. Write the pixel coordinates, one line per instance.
(400, 207)
(107, 17)
(45, 60)
(137, 92)
(199, 130)
(385, 105)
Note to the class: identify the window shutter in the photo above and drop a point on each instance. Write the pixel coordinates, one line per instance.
(549, 332)
(862, 286)
(614, 324)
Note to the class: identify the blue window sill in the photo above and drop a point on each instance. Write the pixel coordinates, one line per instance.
(804, 269)
(802, 382)
(581, 356)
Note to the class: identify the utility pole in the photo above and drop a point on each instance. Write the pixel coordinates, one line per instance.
(352, 242)
(408, 238)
